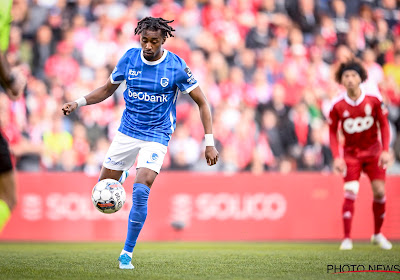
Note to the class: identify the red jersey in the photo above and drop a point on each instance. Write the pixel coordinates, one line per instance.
(359, 122)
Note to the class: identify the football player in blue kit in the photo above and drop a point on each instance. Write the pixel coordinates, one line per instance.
(154, 77)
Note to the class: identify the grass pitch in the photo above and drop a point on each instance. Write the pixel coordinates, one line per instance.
(192, 261)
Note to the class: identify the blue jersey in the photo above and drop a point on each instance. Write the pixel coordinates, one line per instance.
(151, 93)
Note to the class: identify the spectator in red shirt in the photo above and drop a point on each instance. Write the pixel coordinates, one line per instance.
(166, 9)
(61, 66)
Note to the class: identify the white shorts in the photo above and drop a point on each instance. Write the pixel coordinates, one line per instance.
(122, 153)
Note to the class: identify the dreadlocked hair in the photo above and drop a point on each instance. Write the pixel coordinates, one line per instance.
(155, 24)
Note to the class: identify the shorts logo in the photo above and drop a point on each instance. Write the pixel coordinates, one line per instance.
(113, 162)
(153, 158)
(164, 82)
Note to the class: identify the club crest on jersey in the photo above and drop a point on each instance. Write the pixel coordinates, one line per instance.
(368, 110)
(164, 82)
(346, 114)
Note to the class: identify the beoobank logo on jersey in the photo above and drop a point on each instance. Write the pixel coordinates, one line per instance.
(164, 82)
(147, 97)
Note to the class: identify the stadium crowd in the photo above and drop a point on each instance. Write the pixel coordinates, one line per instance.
(266, 67)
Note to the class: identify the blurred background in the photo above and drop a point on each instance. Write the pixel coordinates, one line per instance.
(266, 67)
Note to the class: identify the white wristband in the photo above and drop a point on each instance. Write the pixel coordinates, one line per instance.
(81, 101)
(209, 140)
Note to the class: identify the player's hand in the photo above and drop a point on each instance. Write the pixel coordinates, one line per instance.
(384, 159)
(69, 107)
(339, 165)
(211, 155)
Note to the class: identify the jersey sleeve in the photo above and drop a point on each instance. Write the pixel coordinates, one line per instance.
(5, 23)
(382, 116)
(118, 74)
(333, 129)
(186, 81)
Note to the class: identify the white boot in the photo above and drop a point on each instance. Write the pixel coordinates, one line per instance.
(347, 244)
(380, 239)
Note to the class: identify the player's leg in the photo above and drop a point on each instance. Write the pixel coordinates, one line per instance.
(106, 173)
(150, 159)
(137, 216)
(118, 175)
(379, 203)
(350, 195)
(378, 207)
(351, 187)
(121, 156)
(8, 196)
(123, 176)
(377, 176)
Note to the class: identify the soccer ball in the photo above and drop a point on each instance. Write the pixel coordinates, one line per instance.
(108, 196)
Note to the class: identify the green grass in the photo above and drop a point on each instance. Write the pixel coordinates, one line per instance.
(191, 261)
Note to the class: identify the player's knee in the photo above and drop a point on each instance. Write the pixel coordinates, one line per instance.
(140, 195)
(148, 183)
(139, 191)
(11, 201)
(10, 198)
(378, 189)
(379, 194)
(145, 178)
(352, 187)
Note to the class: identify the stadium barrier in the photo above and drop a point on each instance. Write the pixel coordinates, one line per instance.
(193, 206)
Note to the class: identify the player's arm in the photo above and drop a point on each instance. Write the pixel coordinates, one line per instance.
(198, 96)
(338, 162)
(382, 116)
(12, 81)
(99, 94)
(96, 96)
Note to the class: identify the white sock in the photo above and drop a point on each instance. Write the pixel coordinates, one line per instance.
(126, 252)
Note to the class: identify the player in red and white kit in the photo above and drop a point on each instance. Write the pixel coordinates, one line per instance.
(360, 115)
